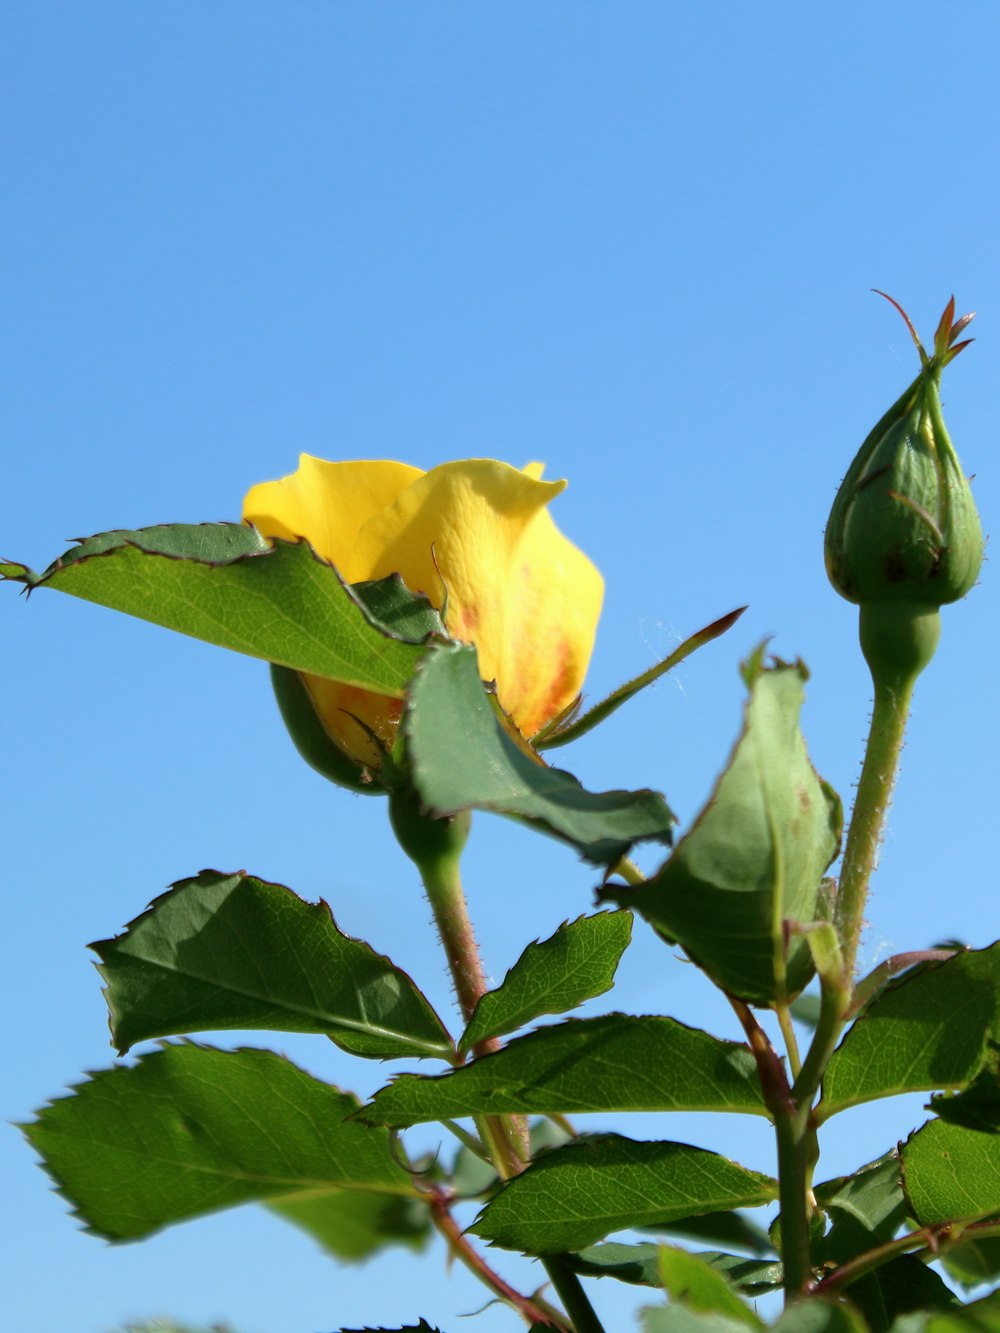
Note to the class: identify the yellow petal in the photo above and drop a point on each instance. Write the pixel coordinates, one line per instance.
(327, 503)
(516, 587)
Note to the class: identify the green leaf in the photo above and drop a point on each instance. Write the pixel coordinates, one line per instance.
(462, 757)
(805, 1009)
(223, 952)
(680, 1319)
(576, 963)
(755, 856)
(819, 1316)
(978, 1317)
(637, 1264)
(929, 1030)
(951, 1174)
(690, 1281)
(570, 730)
(978, 1105)
(634, 1264)
(614, 1063)
(189, 1129)
(575, 1195)
(230, 586)
(353, 1224)
(897, 1288)
(973, 1261)
(422, 1327)
(868, 1208)
(722, 1229)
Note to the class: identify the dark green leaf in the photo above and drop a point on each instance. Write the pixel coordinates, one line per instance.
(755, 856)
(679, 1319)
(576, 963)
(614, 1063)
(579, 726)
(866, 1208)
(722, 1229)
(805, 1009)
(575, 1195)
(754, 1277)
(929, 1030)
(689, 1280)
(353, 1224)
(897, 1288)
(978, 1106)
(422, 1327)
(951, 1174)
(819, 1316)
(189, 1130)
(224, 583)
(232, 952)
(979, 1317)
(463, 757)
(974, 1261)
(636, 1264)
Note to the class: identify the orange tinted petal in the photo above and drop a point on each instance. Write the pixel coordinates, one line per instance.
(516, 587)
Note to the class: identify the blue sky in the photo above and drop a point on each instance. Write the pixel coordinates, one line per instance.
(635, 241)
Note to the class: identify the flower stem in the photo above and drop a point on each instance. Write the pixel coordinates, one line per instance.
(435, 846)
(885, 741)
(793, 1143)
(531, 1309)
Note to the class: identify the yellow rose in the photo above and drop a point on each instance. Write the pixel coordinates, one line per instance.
(516, 587)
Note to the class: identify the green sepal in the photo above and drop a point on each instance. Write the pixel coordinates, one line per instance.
(561, 732)
(752, 864)
(313, 741)
(231, 952)
(461, 756)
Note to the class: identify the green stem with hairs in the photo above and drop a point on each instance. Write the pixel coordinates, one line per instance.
(435, 846)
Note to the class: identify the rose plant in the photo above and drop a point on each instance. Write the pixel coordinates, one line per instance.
(428, 635)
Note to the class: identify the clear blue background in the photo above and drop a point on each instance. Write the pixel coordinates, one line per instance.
(632, 240)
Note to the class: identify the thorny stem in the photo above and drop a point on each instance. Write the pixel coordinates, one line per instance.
(795, 1125)
(531, 1309)
(793, 1143)
(933, 1240)
(435, 846)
